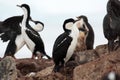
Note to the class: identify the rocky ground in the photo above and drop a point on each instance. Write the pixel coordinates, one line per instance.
(87, 65)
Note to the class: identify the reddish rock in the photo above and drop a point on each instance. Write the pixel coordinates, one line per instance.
(52, 76)
(95, 70)
(101, 50)
(85, 56)
(97, 64)
(65, 73)
(25, 78)
(26, 66)
(44, 72)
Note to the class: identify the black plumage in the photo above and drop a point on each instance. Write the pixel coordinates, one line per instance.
(60, 48)
(111, 23)
(39, 46)
(109, 33)
(10, 27)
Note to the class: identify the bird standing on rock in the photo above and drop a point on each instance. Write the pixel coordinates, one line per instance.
(111, 24)
(66, 43)
(29, 36)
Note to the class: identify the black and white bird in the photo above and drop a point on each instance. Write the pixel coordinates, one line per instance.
(10, 29)
(29, 36)
(65, 44)
(11, 25)
(90, 36)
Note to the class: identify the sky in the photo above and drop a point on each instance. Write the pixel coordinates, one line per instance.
(53, 13)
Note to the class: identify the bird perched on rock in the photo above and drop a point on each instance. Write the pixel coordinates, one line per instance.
(111, 23)
(66, 43)
(29, 36)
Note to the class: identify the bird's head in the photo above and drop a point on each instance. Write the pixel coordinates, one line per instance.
(68, 23)
(25, 8)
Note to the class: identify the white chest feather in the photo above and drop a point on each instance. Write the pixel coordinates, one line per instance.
(23, 39)
(30, 44)
(19, 42)
(74, 34)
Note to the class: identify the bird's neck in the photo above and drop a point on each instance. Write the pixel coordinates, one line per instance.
(25, 18)
(74, 32)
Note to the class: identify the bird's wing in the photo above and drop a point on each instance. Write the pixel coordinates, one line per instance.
(10, 27)
(62, 44)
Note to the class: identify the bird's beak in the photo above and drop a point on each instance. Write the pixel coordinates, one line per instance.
(18, 5)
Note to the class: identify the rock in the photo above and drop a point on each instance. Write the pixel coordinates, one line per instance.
(45, 72)
(32, 74)
(96, 69)
(26, 66)
(52, 76)
(8, 69)
(64, 74)
(111, 76)
(85, 56)
(101, 50)
(25, 78)
(85, 65)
